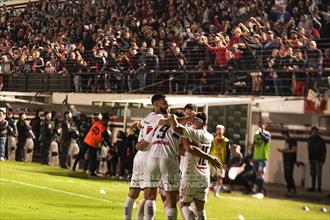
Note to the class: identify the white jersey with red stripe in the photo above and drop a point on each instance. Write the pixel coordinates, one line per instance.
(164, 142)
(148, 125)
(163, 163)
(141, 157)
(196, 169)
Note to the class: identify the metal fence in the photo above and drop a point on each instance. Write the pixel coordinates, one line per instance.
(284, 83)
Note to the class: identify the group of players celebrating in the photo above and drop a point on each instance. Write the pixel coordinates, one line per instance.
(163, 139)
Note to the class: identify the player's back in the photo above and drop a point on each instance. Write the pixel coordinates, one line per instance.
(195, 168)
(165, 142)
(148, 124)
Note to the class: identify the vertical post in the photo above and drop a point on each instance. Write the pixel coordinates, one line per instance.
(206, 109)
(125, 116)
(248, 128)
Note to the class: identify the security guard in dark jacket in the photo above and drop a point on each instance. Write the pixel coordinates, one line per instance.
(11, 136)
(289, 159)
(47, 131)
(316, 155)
(3, 134)
(22, 130)
(66, 132)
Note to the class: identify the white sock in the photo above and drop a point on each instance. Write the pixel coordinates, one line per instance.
(140, 210)
(201, 215)
(150, 210)
(128, 208)
(171, 213)
(187, 213)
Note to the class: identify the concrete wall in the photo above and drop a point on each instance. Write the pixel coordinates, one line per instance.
(274, 173)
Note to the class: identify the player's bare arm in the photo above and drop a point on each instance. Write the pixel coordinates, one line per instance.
(187, 146)
(142, 145)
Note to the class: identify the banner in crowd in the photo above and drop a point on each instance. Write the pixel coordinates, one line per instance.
(317, 98)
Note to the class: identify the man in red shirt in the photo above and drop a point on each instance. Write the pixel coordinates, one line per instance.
(222, 55)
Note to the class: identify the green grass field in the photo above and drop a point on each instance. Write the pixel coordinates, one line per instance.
(33, 191)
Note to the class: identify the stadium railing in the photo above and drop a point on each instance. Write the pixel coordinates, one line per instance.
(236, 82)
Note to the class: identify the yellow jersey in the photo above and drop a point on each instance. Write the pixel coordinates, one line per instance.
(220, 149)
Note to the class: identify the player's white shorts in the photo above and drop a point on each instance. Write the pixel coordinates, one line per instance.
(188, 192)
(162, 170)
(139, 168)
(217, 172)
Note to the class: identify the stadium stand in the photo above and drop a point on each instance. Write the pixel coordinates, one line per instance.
(184, 47)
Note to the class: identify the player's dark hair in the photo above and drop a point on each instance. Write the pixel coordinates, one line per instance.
(202, 116)
(105, 116)
(179, 114)
(190, 107)
(157, 97)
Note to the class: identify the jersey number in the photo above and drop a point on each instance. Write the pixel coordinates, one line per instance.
(202, 162)
(162, 131)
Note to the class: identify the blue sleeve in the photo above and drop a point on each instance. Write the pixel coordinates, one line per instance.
(265, 137)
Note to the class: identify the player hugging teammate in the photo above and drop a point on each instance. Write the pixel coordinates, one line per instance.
(161, 138)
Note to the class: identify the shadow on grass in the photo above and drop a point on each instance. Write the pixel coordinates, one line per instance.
(77, 175)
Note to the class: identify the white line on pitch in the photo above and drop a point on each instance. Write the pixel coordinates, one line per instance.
(55, 190)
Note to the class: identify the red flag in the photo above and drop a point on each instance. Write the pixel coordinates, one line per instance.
(315, 102)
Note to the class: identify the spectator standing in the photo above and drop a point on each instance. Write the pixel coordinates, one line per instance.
(3, 134)
(261, 151)
(66, 129)
(289, 159)
(50, 69)
(222, 55)
(5, 65)
(46, 136)
(316, 156)
(151, 65)
(256, 74)
(314, 59)
(132, 139)
(121, 146)
(35, 125)
(299, 77)
(11, 136)
(22, 130)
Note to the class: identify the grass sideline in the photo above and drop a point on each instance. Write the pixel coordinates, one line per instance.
(34, 191)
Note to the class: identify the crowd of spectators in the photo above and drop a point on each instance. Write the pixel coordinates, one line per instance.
(202, 44)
